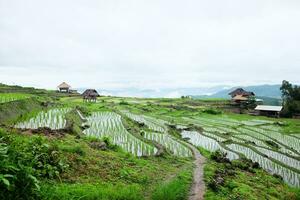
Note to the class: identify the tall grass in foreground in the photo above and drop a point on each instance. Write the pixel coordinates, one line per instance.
(91, 192)
(176, 189)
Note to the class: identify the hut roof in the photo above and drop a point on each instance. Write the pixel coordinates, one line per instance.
(64, 85)
(241, 91)
(269, 108)
(90, 93)
(240, 98)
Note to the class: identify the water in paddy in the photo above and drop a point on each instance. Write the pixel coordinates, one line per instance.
(170, 143)
(288, 175)
(280, 157)
(207, 143)
(53, 119)
(154, 124)
(109, 124)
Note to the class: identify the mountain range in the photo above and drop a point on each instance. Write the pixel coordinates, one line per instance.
(221, 91)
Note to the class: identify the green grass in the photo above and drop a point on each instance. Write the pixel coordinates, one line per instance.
(241, 182)
(12, 111)
(8, 97)
(176, 189)
(91, 192)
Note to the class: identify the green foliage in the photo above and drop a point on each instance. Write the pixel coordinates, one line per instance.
(16, 180)
(91, 192)
(177, 189)
(74, 122)
(212, 111)
(8, 97)
(109, 144)
(45, 159)
(123, 102)
(291, 98)
(11, 111)
(243, 179)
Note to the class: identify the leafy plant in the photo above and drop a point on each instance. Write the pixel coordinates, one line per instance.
(16, 180)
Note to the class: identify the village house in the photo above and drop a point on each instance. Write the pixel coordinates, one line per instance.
(90, 95)
(240, 95)
(64, 87)
(270, 111)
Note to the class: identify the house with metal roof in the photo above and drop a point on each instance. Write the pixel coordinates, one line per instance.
(266, 110)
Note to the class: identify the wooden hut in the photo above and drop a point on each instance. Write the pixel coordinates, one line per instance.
(240, 95)
(242, 92)
(64, 87)
(90, 95)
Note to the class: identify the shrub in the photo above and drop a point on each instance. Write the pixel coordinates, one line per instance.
(16, 180)
(212, 111)
(272, 144)
(124, 103)
(219, 157)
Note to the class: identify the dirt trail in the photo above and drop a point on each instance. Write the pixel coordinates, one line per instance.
(198, 187)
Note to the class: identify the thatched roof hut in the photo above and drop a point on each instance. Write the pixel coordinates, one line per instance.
(64, 87)
(90, 95)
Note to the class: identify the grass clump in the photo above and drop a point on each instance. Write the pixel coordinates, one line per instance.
(176, 189)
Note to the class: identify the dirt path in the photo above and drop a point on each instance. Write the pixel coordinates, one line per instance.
(198, 187)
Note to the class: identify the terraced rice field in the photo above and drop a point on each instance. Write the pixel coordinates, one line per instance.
(245, 136)
(160, 135)
(109, 124)
(8, 97)
(287, 174)
(200, 140)
(53, 119)
(170, 143)
(154, 124)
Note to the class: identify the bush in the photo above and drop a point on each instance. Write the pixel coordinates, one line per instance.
(212, 111)
(124, 103)
(220, 157)
(16, 180)
(272, 144)
(45, 159)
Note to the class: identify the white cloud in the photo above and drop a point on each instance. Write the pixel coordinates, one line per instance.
(149, 44)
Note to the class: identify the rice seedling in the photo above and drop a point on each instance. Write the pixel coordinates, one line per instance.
(207, 143)
(154, 124)
(217, 138)
(284, 139)
(288, 175)
(280, 157)
(53, 119)
(109, 124)
(170, 143)
(251, 139)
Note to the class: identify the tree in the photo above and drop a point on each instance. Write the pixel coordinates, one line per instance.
(291, 99)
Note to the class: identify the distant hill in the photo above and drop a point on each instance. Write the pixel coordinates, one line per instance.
(270, 94)
(271, 91)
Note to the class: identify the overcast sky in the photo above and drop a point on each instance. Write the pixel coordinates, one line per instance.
(149, 43)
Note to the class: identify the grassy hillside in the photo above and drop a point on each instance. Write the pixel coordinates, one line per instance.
(132, 148)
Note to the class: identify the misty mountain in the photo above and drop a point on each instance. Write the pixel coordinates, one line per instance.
(272, 91)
